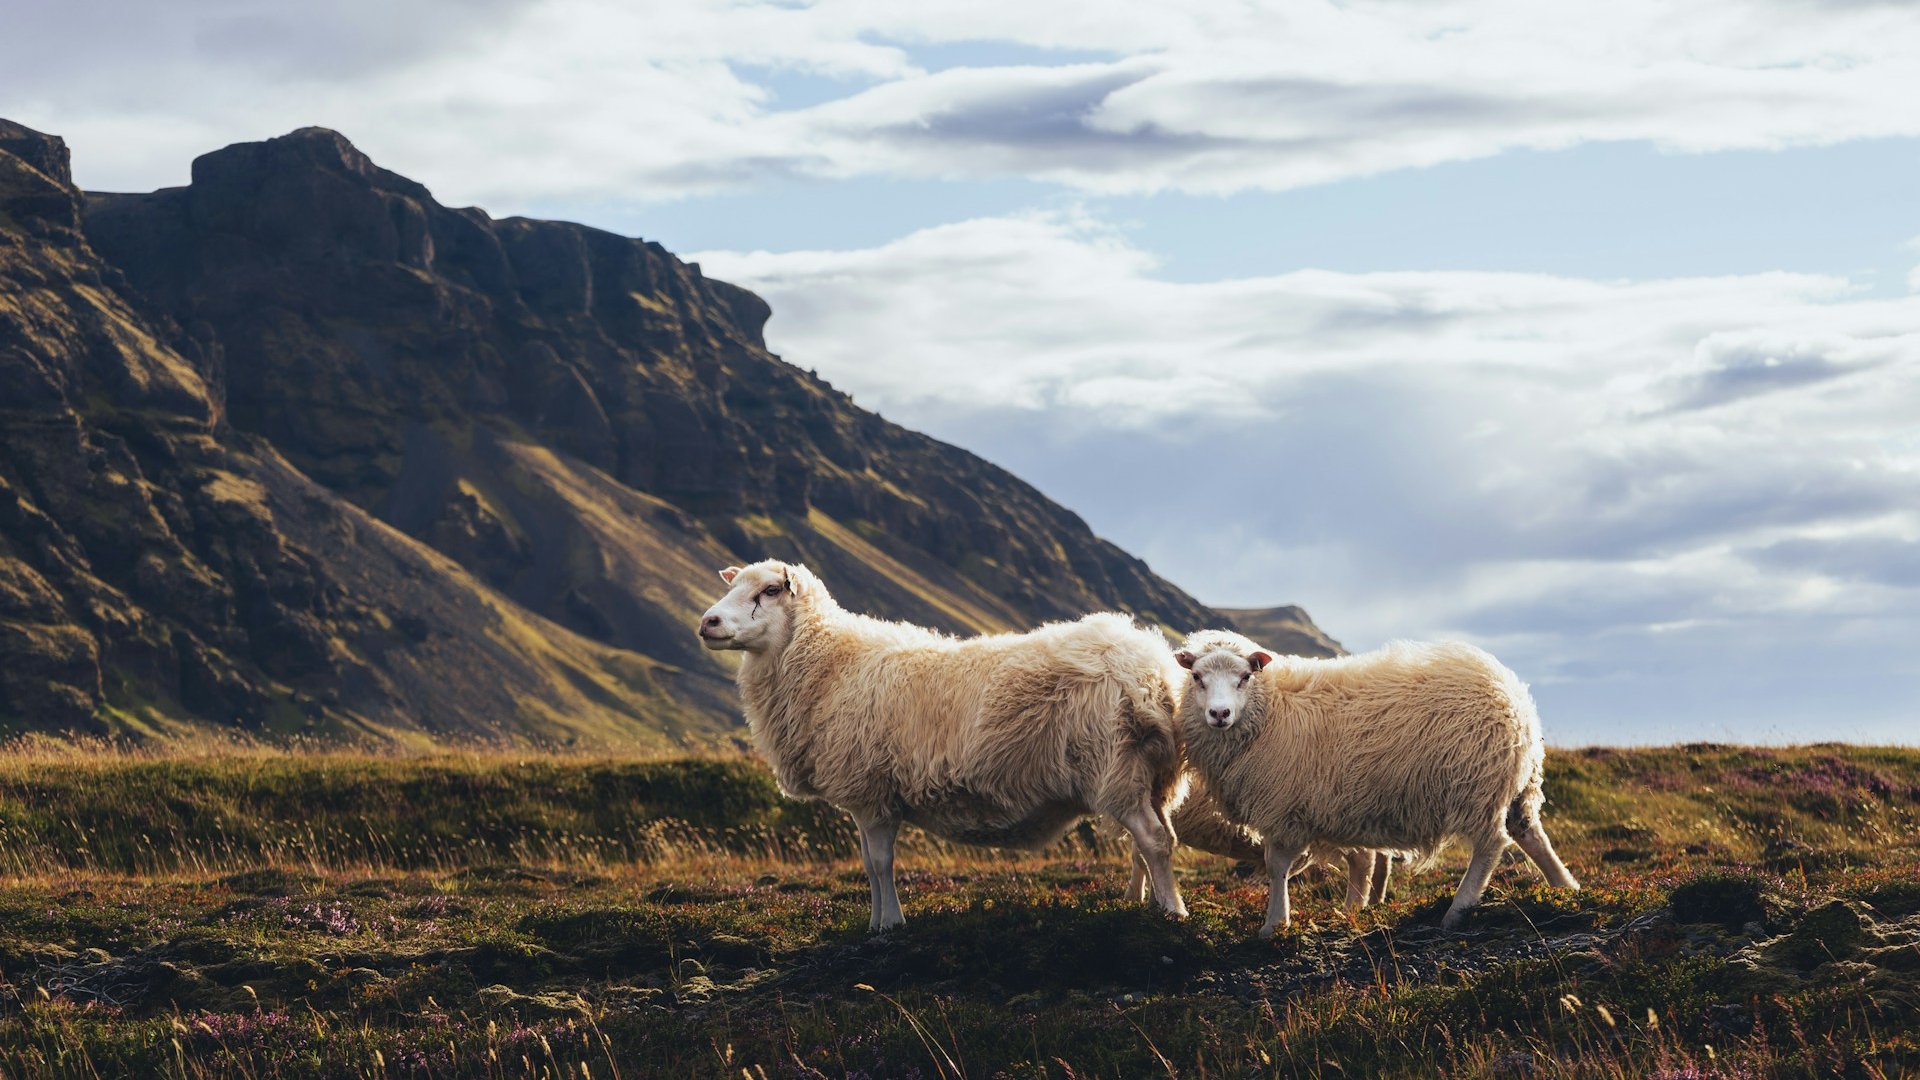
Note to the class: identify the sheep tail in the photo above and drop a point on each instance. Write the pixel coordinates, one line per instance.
(1147, 713)
(1523, 814)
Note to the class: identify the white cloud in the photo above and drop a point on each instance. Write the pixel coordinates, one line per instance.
(606, 99)
(1671, 493)
(1592, 477)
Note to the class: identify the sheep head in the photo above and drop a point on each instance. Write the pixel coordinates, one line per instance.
(1222, 665)
(756, 615)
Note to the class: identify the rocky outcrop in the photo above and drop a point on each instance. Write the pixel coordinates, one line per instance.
(159, 569)
(580, 419)
(1286, 628)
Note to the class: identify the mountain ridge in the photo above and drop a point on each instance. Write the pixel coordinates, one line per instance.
(557, 431)
(160, 571)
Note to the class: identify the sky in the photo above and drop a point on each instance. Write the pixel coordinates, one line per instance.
(1589, 333)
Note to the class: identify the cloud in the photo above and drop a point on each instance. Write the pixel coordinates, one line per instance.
(1592, 477)
(608, 100)
(1654, 496)
(1734, 366)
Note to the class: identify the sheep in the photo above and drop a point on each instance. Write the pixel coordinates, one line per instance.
(1406, 747)
(1003, 740)
(1202, 823)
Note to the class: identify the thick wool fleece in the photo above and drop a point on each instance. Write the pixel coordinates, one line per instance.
(1004, 739)
(1407, 747)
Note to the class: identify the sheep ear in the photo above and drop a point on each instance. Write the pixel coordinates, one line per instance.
(797, 584)
(729, 574)
(1186, 658)
(1260, 659)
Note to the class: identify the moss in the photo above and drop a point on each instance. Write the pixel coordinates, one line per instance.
(1730, 899)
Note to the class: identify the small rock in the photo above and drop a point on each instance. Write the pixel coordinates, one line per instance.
(496, 995)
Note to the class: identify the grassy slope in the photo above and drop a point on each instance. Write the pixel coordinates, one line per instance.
(1747, 913)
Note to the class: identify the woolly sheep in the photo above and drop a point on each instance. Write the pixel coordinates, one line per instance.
(1407, 747)
(1003, 740)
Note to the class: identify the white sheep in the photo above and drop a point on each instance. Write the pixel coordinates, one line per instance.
(1407, 747)
(1003, 740)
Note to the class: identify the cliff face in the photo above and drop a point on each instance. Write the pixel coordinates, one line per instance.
(157, 568)
(298, 448)
(578, 418)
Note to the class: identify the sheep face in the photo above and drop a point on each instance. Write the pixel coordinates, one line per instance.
(1220, 677)
(756, 613)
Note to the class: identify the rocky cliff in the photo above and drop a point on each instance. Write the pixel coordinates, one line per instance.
(295, 445)
(159, 569)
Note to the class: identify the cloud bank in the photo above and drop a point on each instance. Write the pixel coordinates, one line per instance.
(1684, 508)
(1638, 491)
(604, 99)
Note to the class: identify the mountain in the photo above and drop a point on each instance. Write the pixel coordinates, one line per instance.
(160, 569)
(1287, 629)
(297, 448)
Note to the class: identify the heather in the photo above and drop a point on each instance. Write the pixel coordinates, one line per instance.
(1749, 912)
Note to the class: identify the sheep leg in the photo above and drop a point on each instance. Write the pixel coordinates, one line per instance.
(1280, 860)
(1382, 871)
(876, 851)
(1153, 843)
(1480, 871)
(1359, 878)
(1540, 849)
(1137, 888)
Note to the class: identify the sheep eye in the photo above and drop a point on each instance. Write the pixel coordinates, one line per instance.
(1245, 677)
(771, 590)
(1196, 677)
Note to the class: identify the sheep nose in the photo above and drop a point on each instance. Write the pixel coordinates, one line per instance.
(1220, 714)
(709, 622)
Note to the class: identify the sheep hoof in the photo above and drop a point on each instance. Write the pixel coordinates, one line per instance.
(1453, 920)
(1266, 933)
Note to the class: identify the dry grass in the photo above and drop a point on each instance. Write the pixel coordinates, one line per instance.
(1749, 913)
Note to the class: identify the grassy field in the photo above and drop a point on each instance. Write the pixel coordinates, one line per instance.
(1748, 913)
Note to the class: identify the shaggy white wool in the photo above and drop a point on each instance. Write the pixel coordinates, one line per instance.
(1406, 748)
(1003, 740)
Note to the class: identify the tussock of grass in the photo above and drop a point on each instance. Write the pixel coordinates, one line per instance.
(249, 914)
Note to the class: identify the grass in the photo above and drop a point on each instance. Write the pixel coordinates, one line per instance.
(1747, 913)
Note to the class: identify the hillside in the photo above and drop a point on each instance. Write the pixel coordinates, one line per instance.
(578, 418)
(298, 450)
(158, 568)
